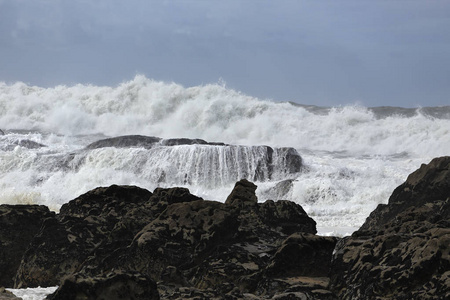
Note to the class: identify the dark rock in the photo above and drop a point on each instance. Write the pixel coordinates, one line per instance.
(183, 141)
(290, 159)
(286, 216)
(243, 194)
(18, 225)
(190, 246)
(303, 254)
(402, 250)
(112, 286)
(83, 224)
(146, 142)
(2, 132)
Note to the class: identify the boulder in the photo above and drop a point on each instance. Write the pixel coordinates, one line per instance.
(403, 249)
(112, 286)
(18, 225)
(243, 194)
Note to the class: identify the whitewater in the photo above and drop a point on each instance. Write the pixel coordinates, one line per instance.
(353, 156)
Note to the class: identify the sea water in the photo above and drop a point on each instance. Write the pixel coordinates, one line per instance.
(353, 156)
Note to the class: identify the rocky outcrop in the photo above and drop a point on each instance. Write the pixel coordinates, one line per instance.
(126, 141)
(65, 241)
(243, 194)
(403, 249)
(112, 286)
(146, 142)
(18, 225)
(188, 245)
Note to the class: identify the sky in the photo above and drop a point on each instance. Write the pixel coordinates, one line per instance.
(326, 53)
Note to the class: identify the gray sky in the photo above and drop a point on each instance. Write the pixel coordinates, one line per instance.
(374, 52)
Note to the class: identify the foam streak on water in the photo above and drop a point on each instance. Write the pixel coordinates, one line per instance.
(354, 156)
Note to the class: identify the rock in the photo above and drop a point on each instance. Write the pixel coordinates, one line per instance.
(82, 225)
(89, 228)
(290, 159)
(183, 141)
(2, 132)
(403, 249)
(29, 144)
(18, 225)
(302, 254)
(112, 286)
(146, 142)
(190, 246)
(243, 194)
(286, 216)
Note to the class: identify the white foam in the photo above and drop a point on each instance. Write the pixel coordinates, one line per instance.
(38, 293)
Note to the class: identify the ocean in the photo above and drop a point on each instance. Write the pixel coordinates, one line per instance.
(353, 156)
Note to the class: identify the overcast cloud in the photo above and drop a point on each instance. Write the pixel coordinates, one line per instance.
(313, 52)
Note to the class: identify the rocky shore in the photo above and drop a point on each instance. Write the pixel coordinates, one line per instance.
(125, 242)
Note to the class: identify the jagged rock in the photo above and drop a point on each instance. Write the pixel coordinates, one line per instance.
(112, 286)
(286, 216)
(83, 224)
(403, 249)
(430, 184)
(302, 254)
(170, 235)
(18, 225)
(243, 194)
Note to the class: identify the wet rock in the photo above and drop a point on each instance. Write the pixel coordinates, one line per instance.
(126, 141)
(289, 158)
(7, 295)
(112, 286)
(287, 216)
(18, 225)
(183, 141)
(243, 194)
(82, 225)
(302, 254)
(190, 246)
(402, 250)
(29, 144)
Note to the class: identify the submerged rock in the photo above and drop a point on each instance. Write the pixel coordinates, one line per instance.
(403, 249)
(126, 141)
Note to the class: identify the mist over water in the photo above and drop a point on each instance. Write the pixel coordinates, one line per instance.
(353, 156)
